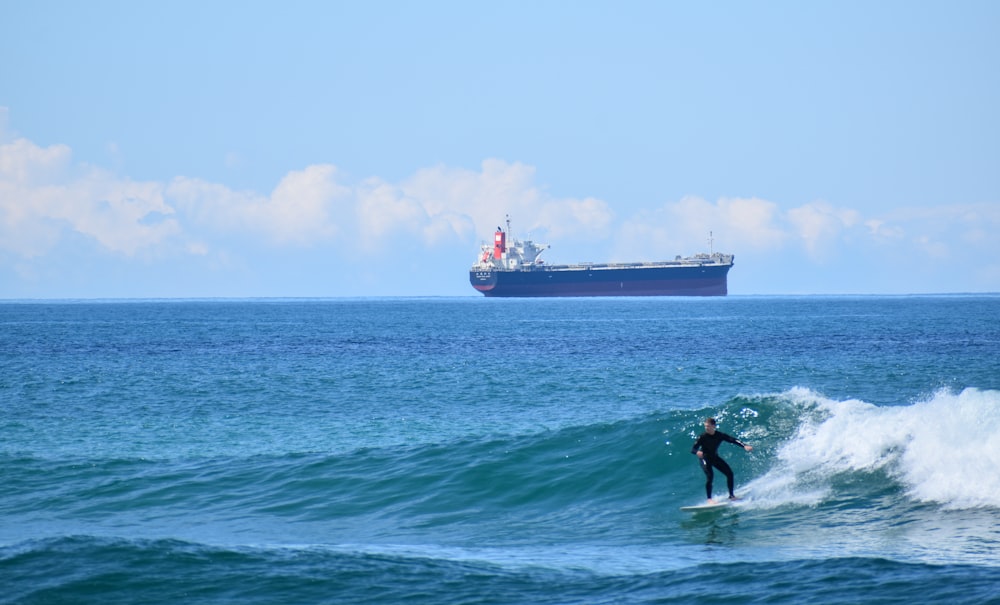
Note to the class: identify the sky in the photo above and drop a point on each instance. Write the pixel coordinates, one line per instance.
(190, 149)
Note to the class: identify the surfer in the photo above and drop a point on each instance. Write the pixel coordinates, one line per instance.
(708, 455)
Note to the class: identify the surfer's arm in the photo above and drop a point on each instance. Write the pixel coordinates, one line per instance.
(736, 441)
(694, 448)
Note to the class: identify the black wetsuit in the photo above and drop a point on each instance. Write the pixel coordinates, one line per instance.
(709, 445)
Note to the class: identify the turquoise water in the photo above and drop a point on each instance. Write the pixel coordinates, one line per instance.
(470, 450)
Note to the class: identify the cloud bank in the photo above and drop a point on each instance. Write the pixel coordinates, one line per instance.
(46, 197)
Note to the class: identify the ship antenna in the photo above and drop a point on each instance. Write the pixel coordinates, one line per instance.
(508, 225)
(711, 242)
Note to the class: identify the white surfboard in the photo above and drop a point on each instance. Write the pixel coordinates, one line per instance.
(705, 506)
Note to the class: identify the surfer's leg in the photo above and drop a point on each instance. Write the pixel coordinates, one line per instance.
(728, 472)
(709, 476)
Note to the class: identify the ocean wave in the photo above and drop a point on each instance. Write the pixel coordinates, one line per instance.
(77, 569)
(806, 445)
(934, 449)
(818, 465)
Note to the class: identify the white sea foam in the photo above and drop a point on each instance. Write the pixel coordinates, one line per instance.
(944, 450)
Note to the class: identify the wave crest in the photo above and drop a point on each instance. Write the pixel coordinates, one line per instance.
(941, 450)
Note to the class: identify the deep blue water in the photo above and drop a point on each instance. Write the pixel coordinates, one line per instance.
(471, 450)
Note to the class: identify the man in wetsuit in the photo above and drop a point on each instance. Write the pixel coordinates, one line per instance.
(708, 455)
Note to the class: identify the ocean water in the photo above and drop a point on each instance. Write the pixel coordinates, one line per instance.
(470, 450)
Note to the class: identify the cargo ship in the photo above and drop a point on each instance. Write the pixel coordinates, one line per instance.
(512, 269)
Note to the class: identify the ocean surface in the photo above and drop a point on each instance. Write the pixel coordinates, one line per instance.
(473, 450)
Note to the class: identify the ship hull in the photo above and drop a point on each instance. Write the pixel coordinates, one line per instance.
(701, 280)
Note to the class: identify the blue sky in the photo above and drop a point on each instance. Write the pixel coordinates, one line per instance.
(240, 149)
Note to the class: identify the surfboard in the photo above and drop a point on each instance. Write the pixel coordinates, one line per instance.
(706, 506)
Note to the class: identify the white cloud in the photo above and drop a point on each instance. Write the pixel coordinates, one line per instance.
(383, 208)
(198, 248)
(4, 119)
(752, 222)
(484, 197)
(819, 224)
(588, 217)
(25, 164)
(45, 197)
(934, 249)
(468, 204)
(943, 232)
(302, 209)
(122, 215)
(880, 230)
(823, 231)
(40, 200)
(43, 194)
(684, 227)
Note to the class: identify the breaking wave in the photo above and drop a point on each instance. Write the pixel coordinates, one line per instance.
(942, 450)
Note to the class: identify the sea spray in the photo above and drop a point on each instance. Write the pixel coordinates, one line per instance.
(936, 448)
